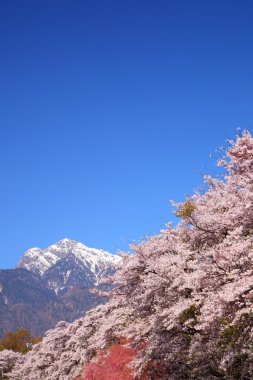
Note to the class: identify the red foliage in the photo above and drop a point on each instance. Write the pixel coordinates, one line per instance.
(112, 364)
(155, 369)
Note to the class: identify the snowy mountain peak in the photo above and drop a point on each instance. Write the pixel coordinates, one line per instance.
(39, 260)
(67, 240)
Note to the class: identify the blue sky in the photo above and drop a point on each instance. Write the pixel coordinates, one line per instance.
(110, 108)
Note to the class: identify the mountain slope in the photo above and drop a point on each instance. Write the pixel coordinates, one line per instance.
(68, 272)
(25, 301)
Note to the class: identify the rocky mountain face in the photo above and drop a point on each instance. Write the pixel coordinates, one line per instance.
(39, 260)
(52, 284)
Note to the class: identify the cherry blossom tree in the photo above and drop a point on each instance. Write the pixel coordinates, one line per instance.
(8, 359)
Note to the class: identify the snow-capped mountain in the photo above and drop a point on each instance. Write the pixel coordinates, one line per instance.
(97, 261)
(52, 284)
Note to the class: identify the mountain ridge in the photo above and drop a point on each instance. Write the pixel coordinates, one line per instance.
(38, 260)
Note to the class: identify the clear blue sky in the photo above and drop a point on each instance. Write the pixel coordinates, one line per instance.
(110, 108)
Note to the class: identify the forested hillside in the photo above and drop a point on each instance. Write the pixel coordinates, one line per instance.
(182, 304)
